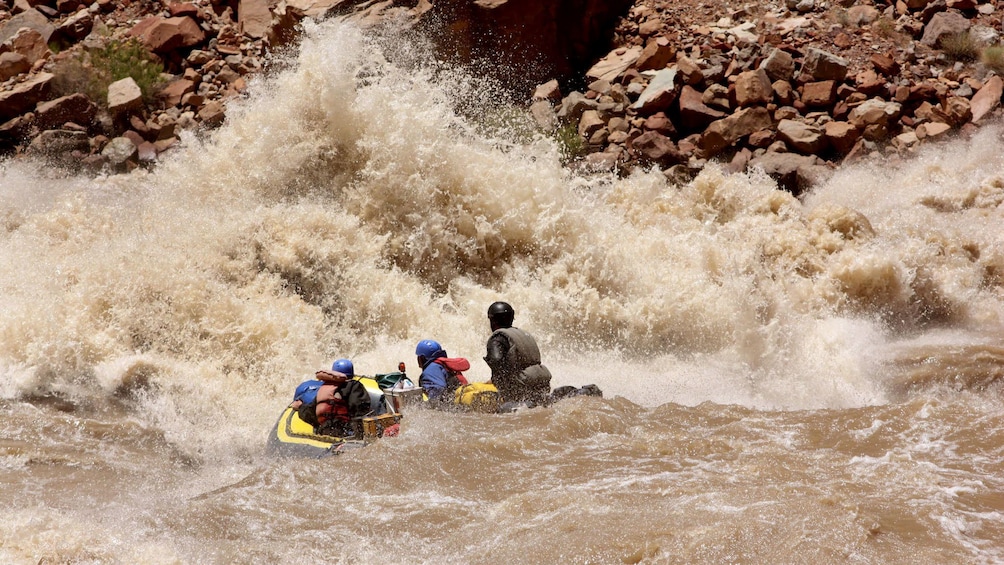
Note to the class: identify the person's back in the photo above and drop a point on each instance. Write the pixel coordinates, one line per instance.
(440, 374)
(333, 406)
(514, 358)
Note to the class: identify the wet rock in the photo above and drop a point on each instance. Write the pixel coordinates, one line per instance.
(212, 113)
(73, 108)
(601, 161)
(794, 173)
(932, 130)
(955, 111)
(173, 93)
(14, 131)
(550, 90)
(544, 115)
(120, 152)
(590, 123)
(255, 17)
(905, 141)
(874, 112)
(573, 105)
(660, 122)
(57, 146)
(841, 136)
(850, 224)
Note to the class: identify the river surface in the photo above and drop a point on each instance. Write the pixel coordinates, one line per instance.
(786, 380)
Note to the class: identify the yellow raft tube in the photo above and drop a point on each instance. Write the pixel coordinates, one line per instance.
(292, 437)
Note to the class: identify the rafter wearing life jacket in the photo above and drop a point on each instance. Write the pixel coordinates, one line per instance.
(454, 372)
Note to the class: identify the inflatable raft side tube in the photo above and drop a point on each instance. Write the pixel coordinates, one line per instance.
(292, 437)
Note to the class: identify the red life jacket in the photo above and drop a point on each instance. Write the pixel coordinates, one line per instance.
(454, 366)
(350, 401)
(339, 408)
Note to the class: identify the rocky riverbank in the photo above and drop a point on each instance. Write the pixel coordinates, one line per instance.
(796, 87)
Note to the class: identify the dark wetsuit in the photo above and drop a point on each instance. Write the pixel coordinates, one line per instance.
(514, 359)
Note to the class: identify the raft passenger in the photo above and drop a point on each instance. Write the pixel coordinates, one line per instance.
(441, 375)
(332, 406)
(514, 358)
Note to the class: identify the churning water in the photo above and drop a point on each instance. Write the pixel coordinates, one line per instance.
(786, 380)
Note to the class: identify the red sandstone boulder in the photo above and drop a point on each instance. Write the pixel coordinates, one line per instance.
(659, 95)
(800, 136)
(25, 95)
(653, 147)
(987, 99)
(694, 113)
(726, 131)
(76, 108)
(753, 88)
(163, 35)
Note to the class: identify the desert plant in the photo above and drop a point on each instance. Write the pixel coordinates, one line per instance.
(993, 58)
(960, 46)
(885, 27)
(841, 17)
(90, 72)
(570, 143)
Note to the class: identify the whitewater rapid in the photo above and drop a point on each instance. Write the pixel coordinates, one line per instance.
(752, 346)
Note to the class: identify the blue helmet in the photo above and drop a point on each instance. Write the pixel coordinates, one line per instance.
(307, 391)
(344, 366)
(428, 348)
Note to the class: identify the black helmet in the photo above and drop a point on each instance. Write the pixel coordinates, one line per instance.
(501, 314)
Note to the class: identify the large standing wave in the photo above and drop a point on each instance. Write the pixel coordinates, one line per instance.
(355, 203)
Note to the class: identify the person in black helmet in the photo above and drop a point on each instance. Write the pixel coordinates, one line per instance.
(514, 359)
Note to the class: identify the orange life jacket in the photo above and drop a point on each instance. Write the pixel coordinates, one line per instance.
(454, 367)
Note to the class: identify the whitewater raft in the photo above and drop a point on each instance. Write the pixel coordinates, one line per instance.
(292, 437)
(389, 394)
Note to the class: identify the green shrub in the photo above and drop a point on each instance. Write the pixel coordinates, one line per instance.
(960, 47)
(884, 27)
(517, 125)
(90, 72)
(993, 58)
(570, 143)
